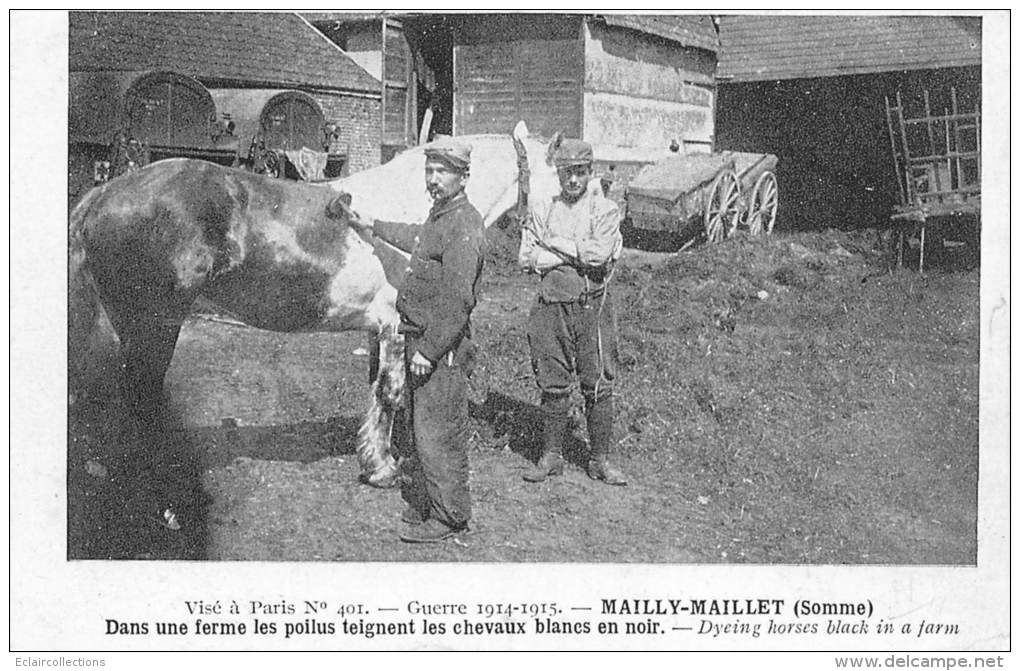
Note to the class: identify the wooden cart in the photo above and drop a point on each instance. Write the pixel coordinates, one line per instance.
(706, 195)
(938, 167)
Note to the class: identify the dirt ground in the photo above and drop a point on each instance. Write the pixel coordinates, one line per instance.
(793, 399)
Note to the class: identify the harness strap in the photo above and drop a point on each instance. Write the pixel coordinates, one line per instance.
(523, 180)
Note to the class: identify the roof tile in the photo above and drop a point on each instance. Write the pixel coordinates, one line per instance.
(278, 49)
(772, 47)
(687, 29)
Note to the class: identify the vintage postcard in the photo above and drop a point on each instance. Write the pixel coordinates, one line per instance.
(496, 331)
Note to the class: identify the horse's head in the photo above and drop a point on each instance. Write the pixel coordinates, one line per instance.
(497, 172)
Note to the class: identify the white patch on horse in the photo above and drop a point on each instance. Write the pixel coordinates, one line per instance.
(283, 240)
(192, 263)
(381, 310)
(360, 296)
(238, 232)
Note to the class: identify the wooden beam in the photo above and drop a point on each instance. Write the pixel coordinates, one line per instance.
(382, 83)
(931, 141)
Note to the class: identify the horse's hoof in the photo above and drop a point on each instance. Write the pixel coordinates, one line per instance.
(384, 478)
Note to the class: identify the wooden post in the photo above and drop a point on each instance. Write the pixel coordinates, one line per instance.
(949, 154)
(920, 265)
(906, 151)
(582, 65)
(382, 81)
(453, 95)
(931, 143)
(411, 109)
(896, 157)
(956, 136)
(977, 134)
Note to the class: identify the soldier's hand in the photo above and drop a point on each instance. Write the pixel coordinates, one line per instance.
(360, 222)
(340, 208)
(420, 366)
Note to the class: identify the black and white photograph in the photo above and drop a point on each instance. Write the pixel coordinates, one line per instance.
(499, 330)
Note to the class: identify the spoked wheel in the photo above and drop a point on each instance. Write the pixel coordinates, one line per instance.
(722, 206)
(761, 212)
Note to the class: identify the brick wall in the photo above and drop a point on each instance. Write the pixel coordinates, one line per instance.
(359, 121)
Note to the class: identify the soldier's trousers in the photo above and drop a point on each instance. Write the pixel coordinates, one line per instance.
(432, 439)
(573, 338)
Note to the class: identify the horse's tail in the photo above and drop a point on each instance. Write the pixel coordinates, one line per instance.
(76, 220)
(89, 331)
(76, 238)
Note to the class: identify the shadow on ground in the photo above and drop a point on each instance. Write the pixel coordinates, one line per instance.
(518, 426)
(134, 486)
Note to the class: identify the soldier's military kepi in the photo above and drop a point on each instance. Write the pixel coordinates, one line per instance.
(449, 150)
(573, 152)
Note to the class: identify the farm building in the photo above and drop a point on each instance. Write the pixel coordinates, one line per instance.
(812, 90)
(214, 85)
(630, 85)
(379, 44)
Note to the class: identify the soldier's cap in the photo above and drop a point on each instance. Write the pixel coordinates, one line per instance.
(573, 152)
(449, 150)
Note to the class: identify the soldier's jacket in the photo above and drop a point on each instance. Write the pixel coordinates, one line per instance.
(593, 225)
(440, 289)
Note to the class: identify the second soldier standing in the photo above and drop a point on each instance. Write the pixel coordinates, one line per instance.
(573, 245)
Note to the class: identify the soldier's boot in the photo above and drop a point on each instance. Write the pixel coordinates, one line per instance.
(554, 430)
(600, 436)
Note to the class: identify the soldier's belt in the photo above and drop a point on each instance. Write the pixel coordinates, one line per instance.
(583, 299)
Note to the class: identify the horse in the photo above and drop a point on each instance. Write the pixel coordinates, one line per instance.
(279, 255)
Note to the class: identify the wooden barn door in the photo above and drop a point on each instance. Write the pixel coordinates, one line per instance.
(292, 120)
(498, 84)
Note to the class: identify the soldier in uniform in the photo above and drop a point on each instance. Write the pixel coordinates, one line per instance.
(435, 303)
(572, 245)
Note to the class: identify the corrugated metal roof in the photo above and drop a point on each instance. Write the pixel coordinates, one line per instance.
(278, 49)
(688, 30)
(770, 47)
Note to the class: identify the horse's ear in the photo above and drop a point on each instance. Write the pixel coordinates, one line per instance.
(554, 144)
(520, 130)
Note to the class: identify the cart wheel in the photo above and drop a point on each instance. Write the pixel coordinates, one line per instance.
(761, 213)
(722, 206)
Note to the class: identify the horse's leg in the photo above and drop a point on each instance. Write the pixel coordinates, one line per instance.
(147, 326)
(378, 465)
(147, 355)
(373, 357)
